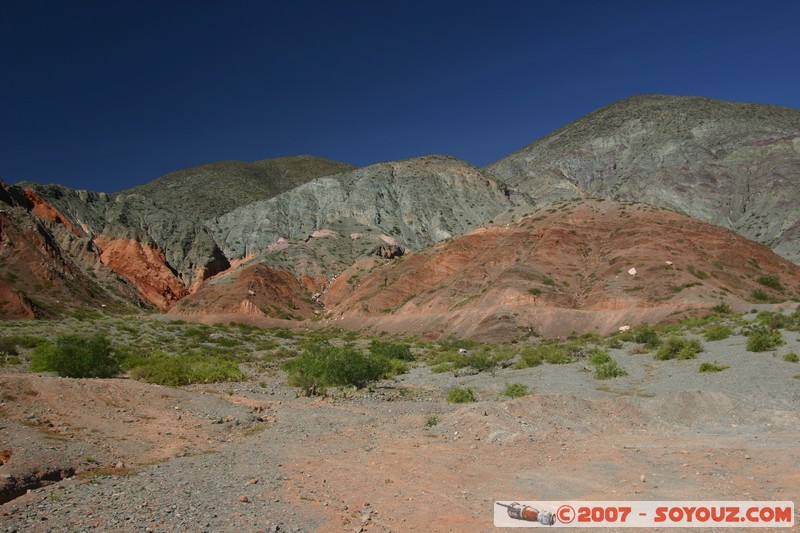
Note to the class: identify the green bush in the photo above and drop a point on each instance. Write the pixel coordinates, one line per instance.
(459, 395)
(609, 370)
(722, 309)
(774, 320)
(77, 357)
(712, 367)
(646, 336)
(516, 390)
(432, 421)
(761, 339)
(678, 348)
(599, 357)
(759, 296)
(555, 354)
(791, 357)
(178, 370)
(391, 350)
(717, 332)
(773, 282)
(331, 366)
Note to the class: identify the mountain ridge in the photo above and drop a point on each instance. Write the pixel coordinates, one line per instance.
(189, 241)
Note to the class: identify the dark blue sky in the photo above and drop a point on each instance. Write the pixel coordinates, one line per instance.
(106, 95)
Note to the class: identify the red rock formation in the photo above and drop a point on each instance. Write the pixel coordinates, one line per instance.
(45, 211)
(145, 266)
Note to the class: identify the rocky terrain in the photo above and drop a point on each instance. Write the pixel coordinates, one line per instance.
(728, 163)
(255, 456)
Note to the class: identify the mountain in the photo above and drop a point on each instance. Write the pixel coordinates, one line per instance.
(411, 203)
(732, 164)
(208, 191)
(643, 211)
(583, 266)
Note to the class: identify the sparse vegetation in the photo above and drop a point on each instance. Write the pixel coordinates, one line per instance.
(712, 367)
(556, 354)
(722, 309)
(515, 390)
(460, 395)
(605, 366)
(609, 370)
(432, 421)
(773, 282)
(760, 296)
(717, 332)
(761, 338)
(678, 348)
(791, 357)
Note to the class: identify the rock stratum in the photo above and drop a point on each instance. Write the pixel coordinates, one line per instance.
(539, 242)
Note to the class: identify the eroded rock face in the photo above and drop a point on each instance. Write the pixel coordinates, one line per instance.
(418, 202)
(388, 251)
(40, 276)
(145, 266)
(732, 164)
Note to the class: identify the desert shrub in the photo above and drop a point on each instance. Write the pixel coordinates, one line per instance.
(459, 395)
(334, 366)
(73, 356)
(722, 309)
(391, 350)
(773, 282)
(678, 348)
(535, 291)
(614, 342)
(178, 370)
(9, 344)
(431, 421)
(759, 296)
(7, 359)
(552, 353)
(791, 357)
(609, 370)
(646, 336)
(761, 338)
(775, 320)
(717, 332)
(599, 357)
(515, 390)
(712, 367)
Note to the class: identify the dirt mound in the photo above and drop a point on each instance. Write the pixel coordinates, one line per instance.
(255, 290)
(585, 267)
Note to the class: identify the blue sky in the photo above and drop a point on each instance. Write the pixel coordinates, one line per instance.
(106, 95)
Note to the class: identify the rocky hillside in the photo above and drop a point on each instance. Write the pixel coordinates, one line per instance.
(433, 245)
(207, 191)
(732, 164)
(575, 267)
(47, 267)
(411, 203)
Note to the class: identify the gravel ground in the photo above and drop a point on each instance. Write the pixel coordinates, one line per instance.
(256, 457)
